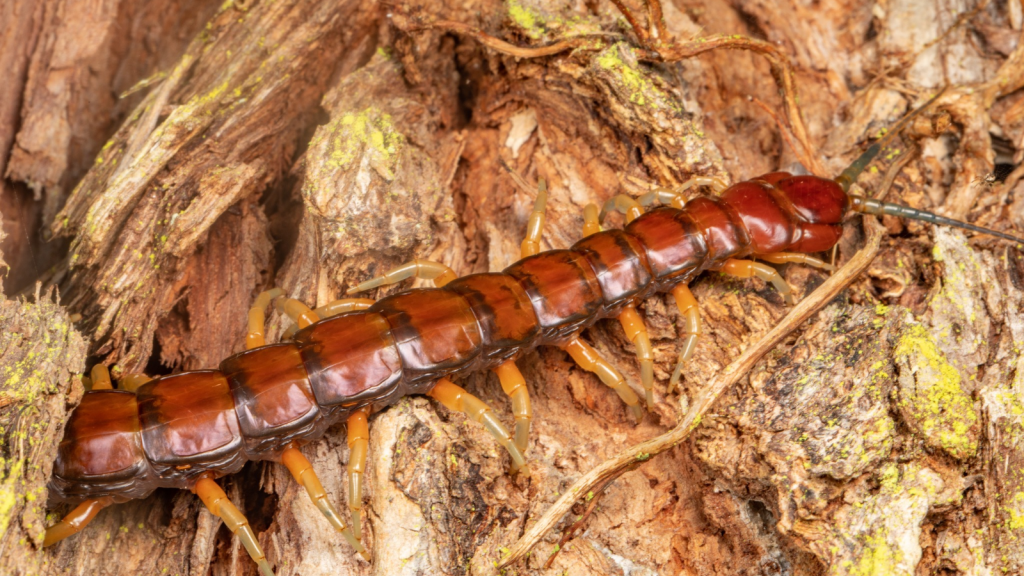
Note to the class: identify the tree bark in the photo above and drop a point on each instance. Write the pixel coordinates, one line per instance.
(314, 144)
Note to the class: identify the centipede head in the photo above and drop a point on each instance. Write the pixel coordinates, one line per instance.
(820, 204)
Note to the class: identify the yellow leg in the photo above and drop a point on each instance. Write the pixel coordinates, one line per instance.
(75, 520)
(358, 445)
(588, 359)
(687, 305)
(514, 385)
(256, 336)
(342, 306)
(535, 224)
(591, 220)
(455, 398)
(131, 382)
(796, 258)
(662, 196)
(304, 474)
(296, 310)
(636, 331)
(101, 378)
(417, 268)
(675, 197)
(749, 268)
(621, 203)
(332, 308)
(217, 502)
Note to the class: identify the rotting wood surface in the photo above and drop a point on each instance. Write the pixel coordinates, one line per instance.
(311, 145)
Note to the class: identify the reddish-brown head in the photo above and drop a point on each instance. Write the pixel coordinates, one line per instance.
(820, 206)
(783, 212)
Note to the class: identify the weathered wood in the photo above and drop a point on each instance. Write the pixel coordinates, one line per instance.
(314, 144)
(68, 69)
(41, 357)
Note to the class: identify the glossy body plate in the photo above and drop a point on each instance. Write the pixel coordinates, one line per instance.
(183, 426)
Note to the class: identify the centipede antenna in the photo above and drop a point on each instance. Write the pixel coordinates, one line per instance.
(879, 208)
(849, 176)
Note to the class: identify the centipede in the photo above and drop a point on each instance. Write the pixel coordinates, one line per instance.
(349, 358)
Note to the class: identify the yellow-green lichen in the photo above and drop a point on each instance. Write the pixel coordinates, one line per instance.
(935, 404)
(370, 130)
(630, 79)
(878, 558)
(27, 376)
(1015, 512)
(9, 495)
(525, 18)
(889, 477)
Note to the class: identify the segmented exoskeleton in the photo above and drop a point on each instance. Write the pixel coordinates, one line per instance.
(355, 355)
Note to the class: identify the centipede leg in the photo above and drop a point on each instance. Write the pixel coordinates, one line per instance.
(417, 268)
(535, 224)
(332, 308)
(687, 306)
(101, 378)
(342, 306)
(621, 203)
(636, 331)
(675, 198)
(456, 398)
(514, 385)
(591, 220)
(296, 310)
(75, 520)
(634, 326)
(749, 268)
(304, 474)
(131, 382)
(588, 359)
(217, 503)
(256, 336)
(358, 445)
(796, 258)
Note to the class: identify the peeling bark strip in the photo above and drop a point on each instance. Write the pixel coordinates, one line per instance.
(314, 144)
(222, 127)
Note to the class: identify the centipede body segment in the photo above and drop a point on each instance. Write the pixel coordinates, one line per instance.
(354, 356)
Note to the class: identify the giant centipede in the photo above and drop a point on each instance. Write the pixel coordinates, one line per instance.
(355, 355)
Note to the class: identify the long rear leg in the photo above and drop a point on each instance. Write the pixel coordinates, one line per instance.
(588, 359)
(219, 505)
(456, 398)
(75, 521)
(358, 445)
(687, 306)
(304, 474)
